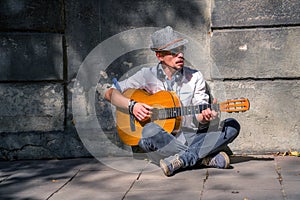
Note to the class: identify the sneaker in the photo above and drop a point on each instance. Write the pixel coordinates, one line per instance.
(221, 160)
(170, 164)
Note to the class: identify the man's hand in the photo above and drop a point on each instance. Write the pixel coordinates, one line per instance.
(208, 114)
(142, 111)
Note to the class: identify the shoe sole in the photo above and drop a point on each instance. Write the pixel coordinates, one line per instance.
(164, 168)
(227, 159)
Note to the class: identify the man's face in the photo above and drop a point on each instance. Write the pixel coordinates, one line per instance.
(173, 58)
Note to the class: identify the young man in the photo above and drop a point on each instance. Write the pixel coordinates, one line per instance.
(187, 147)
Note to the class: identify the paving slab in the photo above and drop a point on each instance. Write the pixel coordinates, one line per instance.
(250, 177)
(34, 179)
(289, 169)
(97, 185)
(241, 195)
(163, 194)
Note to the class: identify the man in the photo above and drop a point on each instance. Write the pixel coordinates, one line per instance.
(187, 147)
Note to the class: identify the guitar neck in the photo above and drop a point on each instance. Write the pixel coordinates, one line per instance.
(165, 113)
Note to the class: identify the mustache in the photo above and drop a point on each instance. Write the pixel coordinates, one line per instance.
(180, 59)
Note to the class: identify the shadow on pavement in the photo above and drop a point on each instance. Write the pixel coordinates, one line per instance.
(243, 158)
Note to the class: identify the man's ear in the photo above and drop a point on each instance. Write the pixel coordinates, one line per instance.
(159, 56)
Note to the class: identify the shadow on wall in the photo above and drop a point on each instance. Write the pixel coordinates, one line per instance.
(54, 37)
(118, 16)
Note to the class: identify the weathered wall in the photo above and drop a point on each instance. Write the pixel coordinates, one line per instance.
(256, 54)
(33, 82)
(253, 48)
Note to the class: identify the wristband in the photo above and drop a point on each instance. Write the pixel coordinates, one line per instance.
(131, 105)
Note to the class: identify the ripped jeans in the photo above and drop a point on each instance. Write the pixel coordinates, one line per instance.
(159, 144)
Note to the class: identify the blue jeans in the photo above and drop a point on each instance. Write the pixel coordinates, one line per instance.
(160, 144)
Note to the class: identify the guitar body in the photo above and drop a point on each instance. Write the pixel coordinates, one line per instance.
(166, 112)
(131, 134)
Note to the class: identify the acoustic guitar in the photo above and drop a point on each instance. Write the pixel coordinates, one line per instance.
(166, 112)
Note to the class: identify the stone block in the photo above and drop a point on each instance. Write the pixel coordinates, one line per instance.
(43, 15)
(82, 31)
(272, 123)
(184, 16)
(256, 53)
(41, 145)
(255, 13)
(31, 56)
(31, 107)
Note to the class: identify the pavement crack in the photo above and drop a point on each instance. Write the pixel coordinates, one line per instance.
(66, 183)
(134, 181)
(203, 185)
(280, 179)
(124, 196)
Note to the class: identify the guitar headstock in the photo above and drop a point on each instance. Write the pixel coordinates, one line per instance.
(235, 105)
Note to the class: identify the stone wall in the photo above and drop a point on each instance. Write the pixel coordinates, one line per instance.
(33, 82)
(248, 49)
(255, 50)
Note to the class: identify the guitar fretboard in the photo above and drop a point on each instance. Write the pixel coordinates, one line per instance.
(166, 113)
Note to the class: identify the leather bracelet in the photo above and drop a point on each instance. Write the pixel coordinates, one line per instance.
(131, 104)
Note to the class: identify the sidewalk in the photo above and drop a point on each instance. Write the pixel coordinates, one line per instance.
(251, 177)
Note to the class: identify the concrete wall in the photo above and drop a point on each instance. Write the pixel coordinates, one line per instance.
(255, 50)
(248, 49)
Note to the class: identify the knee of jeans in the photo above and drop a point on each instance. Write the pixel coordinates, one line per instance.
(146, 145)
(143, 144)
(233, 123)
(232, 128)
(150, 130)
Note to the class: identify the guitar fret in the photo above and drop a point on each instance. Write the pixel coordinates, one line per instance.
(175, 112)
(162, 114)
(166, 113)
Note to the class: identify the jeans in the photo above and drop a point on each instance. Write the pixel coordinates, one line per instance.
(159, 144)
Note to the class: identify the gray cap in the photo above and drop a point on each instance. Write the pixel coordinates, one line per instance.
(166, 39)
